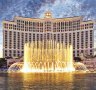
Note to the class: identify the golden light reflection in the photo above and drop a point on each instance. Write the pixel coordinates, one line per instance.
(45, 81)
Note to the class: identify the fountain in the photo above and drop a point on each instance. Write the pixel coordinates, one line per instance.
(80, 67)
(45, 56)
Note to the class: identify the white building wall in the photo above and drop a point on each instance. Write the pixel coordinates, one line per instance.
(51, 32)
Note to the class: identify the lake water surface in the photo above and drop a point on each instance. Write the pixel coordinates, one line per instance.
(48, 81)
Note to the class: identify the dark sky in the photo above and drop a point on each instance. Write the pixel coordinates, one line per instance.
(35, 8)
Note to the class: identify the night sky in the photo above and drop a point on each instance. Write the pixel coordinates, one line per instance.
(36, 8)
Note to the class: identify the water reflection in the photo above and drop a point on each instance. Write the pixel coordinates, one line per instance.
(48, 81)
(3, 81)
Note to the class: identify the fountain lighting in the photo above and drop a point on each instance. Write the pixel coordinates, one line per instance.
(47, 56)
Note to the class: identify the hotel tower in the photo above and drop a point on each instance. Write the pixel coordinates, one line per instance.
(71, 30)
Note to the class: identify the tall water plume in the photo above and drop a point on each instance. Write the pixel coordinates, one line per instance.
(48, 56)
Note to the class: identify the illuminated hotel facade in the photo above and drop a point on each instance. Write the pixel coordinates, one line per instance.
(71, 30)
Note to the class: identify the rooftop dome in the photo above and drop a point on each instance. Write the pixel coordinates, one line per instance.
(48, 14)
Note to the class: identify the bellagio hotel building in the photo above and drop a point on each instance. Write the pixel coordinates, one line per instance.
(72, 30)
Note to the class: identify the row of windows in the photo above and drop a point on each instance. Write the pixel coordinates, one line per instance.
(74, 33)
(68, 23)
(66, 38)
(20, 53)
(75, 45)
(67, 26)
(26, 35)
(13, 53)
